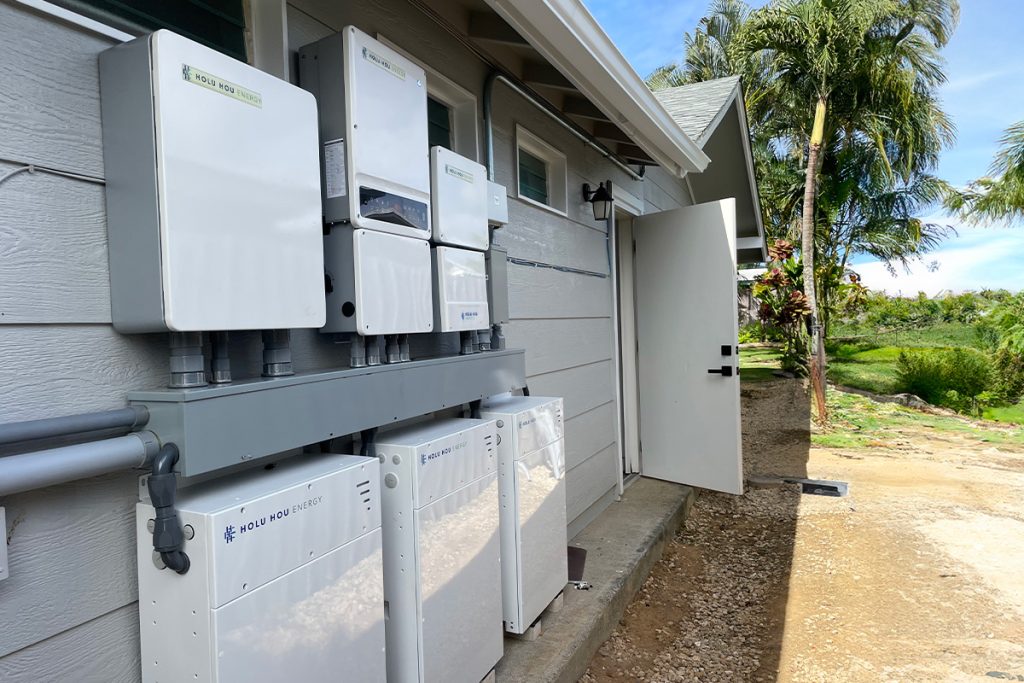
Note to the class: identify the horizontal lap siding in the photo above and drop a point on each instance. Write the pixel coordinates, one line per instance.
(69, 605)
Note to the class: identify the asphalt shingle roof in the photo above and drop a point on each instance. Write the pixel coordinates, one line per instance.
(696, 106)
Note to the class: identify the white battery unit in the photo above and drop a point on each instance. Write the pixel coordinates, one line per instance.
(377, 283)
(460, 295)
(212, 191)
(531, 467)
(458, 194)
(285, 583)
(373, 132)
(441, 552)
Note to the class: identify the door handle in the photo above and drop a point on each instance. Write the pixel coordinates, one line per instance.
(724, 371)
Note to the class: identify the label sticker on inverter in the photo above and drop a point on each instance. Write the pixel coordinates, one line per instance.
(334, 169)
(384, 63)
(216, 84)
(457, 172)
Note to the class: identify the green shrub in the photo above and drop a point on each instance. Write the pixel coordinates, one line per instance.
(1009, 371)
(752, 333)
(961, 379)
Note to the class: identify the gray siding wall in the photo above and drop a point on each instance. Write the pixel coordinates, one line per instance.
(69, 607)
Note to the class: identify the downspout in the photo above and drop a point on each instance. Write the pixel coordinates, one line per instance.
(613, 268)
(555, 115)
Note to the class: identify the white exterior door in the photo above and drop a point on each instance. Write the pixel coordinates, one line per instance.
(686, 339)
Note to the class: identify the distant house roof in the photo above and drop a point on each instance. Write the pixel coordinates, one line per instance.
(712, 114)
(698, 107)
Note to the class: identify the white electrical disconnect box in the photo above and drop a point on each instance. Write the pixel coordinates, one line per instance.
(285, 583)
(212, 191)
(497, 204)
(460, 297)
(531, 466)
(458, 188)
(377, 283)
(373, 132)
(441, 553)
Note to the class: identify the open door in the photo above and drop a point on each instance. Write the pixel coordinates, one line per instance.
(688, 365)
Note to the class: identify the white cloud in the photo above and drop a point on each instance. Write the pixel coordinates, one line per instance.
(978, 258)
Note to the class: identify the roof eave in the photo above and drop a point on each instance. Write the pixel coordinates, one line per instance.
(755, 195)
(569, 37)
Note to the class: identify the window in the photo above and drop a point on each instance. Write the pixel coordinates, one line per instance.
(219, 24)
(533, 177)
(540, 171)
(451, 110)
(439, 123)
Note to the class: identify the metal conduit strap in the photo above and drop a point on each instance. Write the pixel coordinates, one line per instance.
(38, 469)
(32, 430)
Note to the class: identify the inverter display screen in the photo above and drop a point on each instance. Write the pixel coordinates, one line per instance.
(392, 208)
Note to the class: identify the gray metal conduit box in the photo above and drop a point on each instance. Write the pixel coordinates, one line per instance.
(216, 427)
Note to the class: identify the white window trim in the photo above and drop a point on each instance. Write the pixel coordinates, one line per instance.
(558, 171)
(461, 102)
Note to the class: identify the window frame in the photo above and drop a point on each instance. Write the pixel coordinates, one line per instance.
(557, 171)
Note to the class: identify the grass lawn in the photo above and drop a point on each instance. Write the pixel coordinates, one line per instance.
(856, 421)
(869, 363)
(758, 362)
(1012, 414)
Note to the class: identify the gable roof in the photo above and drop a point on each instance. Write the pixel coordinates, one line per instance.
(699, 107)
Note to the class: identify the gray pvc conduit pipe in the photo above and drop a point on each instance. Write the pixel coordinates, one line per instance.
(38, 469)
(125, 419)
(557, 116)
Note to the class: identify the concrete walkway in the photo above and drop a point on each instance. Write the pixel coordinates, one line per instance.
(622, 545)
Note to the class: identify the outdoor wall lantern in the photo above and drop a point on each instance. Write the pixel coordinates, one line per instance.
(600, 200)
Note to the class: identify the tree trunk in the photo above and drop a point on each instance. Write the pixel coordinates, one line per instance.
(817, 350)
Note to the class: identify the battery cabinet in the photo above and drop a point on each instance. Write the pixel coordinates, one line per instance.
(286, 581)
(373, 133)
(439, 501)
(459, 200)
(531, 467)
(377, 283)
(460, 290)
(212, 191)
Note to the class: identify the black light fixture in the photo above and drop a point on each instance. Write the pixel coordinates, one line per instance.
(600, 199)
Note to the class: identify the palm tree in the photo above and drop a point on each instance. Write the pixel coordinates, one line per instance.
(861, 61)
(1000, 196)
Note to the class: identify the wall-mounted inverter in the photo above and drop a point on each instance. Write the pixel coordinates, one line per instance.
(531, 466)
(285, 583)
(373, 132)
(460, 294)
(459, 200)
(377, 283)
(212, 189)
(441, 552)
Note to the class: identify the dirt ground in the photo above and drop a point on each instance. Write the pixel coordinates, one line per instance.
(917, 575)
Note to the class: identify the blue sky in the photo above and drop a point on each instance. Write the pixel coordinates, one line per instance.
(984, 96)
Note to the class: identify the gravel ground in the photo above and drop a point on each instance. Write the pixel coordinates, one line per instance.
(917, 575)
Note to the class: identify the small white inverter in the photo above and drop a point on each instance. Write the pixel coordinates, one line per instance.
(531, 467)
(460, 294)
(441, 552)
(285, 583)
(459, 200)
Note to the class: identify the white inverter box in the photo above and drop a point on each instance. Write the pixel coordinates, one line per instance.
(442, 566)
(285, 582)
(460, 290)
(459, 200)
(373, 133)
(531, 466)
(212, 191)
